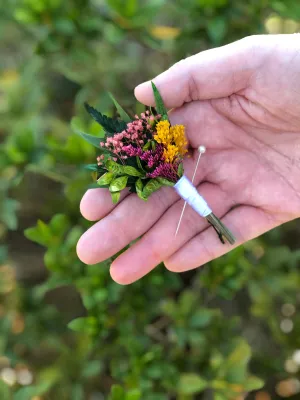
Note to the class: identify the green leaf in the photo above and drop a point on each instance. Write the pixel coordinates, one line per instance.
(92, 167)
(3, 256)
(133, 394)
(117, 393)
(217, 29)
(125, 117)
(152, 186)
(191, 384)
(220, 396)
(202, 318)
(160, 107)
(132, 171)
(98, 187)
(241, 354)
(92, 368)
(180, 170)
(59, 225)
(253, 383)
(47, 235)
(139, 189)
(115, 196)
(27, 393)
(131, 7)
(40, 234)
(219, 384)
(77, 392)
(84, 325)
(118, 184)
(105, 179)
(236, 364)
(94, 140)
(166, 182)
(138, 161)
(147, 146)
(8, 212)
(4, 391)
(110, 125)
(114, 167)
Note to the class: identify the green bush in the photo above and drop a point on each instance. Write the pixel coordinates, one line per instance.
(221, 332)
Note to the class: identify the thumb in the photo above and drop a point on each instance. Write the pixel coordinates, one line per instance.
(210, 74)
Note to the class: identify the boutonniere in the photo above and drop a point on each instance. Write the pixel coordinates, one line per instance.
(145, 153)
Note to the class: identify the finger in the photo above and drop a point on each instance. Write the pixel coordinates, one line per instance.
(129, 220)
(97, 203)
(160, 242)
(245, 222)
(210, 74)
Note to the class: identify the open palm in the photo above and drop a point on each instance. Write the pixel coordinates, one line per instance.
(241, 101)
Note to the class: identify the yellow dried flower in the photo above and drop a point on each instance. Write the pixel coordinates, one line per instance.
(173, 138)
(170, 153)
(179, 139)
(163, 132)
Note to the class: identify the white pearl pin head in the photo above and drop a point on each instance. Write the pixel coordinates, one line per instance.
(202, 149)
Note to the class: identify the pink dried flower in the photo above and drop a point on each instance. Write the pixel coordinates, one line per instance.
(128, 143)
(132, 151)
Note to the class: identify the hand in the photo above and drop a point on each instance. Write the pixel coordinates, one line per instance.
(242, 101)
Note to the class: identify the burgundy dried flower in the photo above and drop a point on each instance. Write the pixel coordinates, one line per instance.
(164, 170)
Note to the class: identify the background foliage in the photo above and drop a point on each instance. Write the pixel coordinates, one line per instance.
(227, 331)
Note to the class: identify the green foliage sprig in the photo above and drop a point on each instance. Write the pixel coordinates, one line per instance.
(110, 125)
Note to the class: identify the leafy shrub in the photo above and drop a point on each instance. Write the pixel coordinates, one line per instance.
(167, 336)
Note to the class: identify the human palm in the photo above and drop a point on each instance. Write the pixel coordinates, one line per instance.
(242, 102)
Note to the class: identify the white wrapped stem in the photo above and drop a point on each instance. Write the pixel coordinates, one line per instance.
(189, 193)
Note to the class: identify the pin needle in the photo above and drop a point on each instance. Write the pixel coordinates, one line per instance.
(202, 150)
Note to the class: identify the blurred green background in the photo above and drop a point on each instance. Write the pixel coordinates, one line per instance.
(228, 331)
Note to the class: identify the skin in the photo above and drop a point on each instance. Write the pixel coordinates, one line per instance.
(242, 101)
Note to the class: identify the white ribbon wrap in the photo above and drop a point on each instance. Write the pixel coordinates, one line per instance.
(189, 193)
